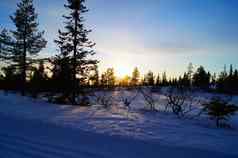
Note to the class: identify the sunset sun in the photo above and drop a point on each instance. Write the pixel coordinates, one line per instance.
(122, 71)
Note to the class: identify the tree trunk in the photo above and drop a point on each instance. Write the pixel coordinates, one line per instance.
(23, 82)
(74, 58)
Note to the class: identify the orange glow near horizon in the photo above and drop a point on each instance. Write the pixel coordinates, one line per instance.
(122, 71)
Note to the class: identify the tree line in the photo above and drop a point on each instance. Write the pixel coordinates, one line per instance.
(200, 78)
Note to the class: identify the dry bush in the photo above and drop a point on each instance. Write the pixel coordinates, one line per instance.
(150, 100)
(127, 99)
(181, 101)
(103, 97)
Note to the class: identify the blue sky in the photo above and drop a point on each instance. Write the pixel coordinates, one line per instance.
(157, 35)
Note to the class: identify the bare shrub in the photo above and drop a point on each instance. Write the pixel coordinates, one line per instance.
(103, 97)
(181, 101)
(127, 99)
(150, 100)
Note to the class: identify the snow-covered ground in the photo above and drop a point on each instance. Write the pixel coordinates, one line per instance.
(21, 138)
(114, 130)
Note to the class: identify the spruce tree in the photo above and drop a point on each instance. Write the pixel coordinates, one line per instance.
(149, 78)
(231, 71)
(164, 79)
(201, 78)
(28, 41)
(185, 82)
(236, 81)
(74, 41)
(135, 77)
(158, 82)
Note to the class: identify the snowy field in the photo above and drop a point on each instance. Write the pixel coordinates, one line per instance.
(161, 128)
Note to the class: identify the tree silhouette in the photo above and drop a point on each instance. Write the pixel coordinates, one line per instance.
(185, 80)
(38, 80)
(74, 41)
(164, 79)
(61, 74)
(149, 79)
(201, 78)
(135, 77)
(158, 81)
(10, 78)
(26, 41)
(108, 78)
(227, 83)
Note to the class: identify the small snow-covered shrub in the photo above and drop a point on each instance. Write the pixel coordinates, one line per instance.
(220, 110)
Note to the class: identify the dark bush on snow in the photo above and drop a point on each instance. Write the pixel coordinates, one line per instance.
(220, 110)
(104, 98)
(181, 101)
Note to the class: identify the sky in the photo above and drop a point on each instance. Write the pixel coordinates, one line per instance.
(157, 35)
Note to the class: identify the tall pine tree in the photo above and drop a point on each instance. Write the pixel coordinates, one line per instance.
(74, 43)
(28, 41)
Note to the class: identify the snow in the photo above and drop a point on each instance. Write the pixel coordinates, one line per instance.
(98, 132)
(33, 139)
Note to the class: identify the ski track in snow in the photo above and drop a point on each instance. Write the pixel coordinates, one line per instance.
(162, 128)
(21, 138)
